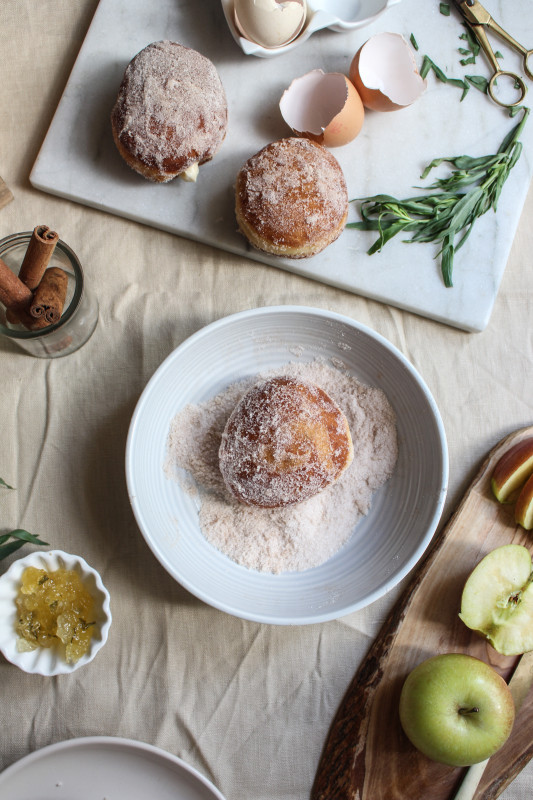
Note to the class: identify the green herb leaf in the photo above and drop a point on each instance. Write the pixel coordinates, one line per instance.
(413, 41)
(469, 37)
(428, 64)
(447, 254)
(447, 215)
(444, 8)
(20, 538)
(456, 82)
(479, 82)
(441, 75)
(4, 484)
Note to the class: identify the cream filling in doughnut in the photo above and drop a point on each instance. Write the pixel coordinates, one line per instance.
(190, 174)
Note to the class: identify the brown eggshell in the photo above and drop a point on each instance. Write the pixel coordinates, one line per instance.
(323, 107)
(344, 127)
(387, 49)
(371, 98)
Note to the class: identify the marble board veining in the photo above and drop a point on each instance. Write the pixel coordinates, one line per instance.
(78, 159)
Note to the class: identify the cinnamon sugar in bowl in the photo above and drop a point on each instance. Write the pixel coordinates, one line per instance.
(178, 508)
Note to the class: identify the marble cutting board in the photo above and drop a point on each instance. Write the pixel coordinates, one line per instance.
(78, 159)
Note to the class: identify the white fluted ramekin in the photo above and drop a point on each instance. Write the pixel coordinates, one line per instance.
(50, 661)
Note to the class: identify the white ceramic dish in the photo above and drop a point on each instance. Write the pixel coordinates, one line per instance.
(48, 661)
(337, 15)
(385, 545)
(98, 767)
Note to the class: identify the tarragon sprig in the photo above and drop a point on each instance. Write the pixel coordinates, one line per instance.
(12, 541)
(18, 538)
(445, 216)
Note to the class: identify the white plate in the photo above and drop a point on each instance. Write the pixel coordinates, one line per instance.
(385, 545)
(104, 768)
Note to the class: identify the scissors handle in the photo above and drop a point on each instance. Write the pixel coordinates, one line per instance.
(521, 87)
(479, 19)
(512, 43)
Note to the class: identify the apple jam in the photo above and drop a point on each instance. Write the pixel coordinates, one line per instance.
(54, 610)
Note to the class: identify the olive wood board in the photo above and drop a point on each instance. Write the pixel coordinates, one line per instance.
(366, 755)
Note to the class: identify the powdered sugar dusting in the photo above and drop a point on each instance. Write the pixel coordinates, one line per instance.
(291, 191)
(300, 536)
(171, 108)
(284, 442)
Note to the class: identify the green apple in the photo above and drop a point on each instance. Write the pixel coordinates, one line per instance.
(523, 512)
(456, 709)
(497, 599)
(512, 470)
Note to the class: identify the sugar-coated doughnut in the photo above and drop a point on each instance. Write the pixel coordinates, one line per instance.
(291, 198)
(285, 441)
(171, 111)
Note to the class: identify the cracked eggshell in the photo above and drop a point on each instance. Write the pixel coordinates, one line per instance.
(324, 107)
(385, 73)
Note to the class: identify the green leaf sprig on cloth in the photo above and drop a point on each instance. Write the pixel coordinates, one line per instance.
(18, 537)
(445, 216)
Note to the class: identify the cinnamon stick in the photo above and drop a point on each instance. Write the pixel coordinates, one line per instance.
(49, 296)
(38, 255)
(14, 294)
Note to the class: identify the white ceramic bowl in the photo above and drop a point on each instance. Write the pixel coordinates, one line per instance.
(337, 15)
(48, 661)
(385, 545)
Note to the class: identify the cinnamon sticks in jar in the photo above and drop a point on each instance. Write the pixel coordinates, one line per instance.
(49, 296)
(14, 294)
(37, 296)
(42, 245)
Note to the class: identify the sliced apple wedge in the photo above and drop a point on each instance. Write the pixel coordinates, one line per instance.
(512, 471)
(497, 599)
(524, 505)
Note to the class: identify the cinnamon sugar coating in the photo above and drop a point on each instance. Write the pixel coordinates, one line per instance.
(171, 111)
(291, 198)
(285, 441)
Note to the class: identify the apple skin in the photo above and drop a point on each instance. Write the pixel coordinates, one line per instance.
(512, 470)
(497, 599)
(456, 709)
(523, 512)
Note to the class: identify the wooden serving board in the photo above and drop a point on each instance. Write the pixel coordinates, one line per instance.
(367, 756)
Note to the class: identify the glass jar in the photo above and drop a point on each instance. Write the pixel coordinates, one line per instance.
(80, 313)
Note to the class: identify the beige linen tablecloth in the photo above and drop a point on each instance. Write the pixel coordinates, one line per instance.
(248, 705)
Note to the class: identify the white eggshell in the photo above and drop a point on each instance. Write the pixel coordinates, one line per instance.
(269, 23)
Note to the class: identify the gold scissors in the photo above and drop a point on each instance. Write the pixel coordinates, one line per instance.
(478, 18)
